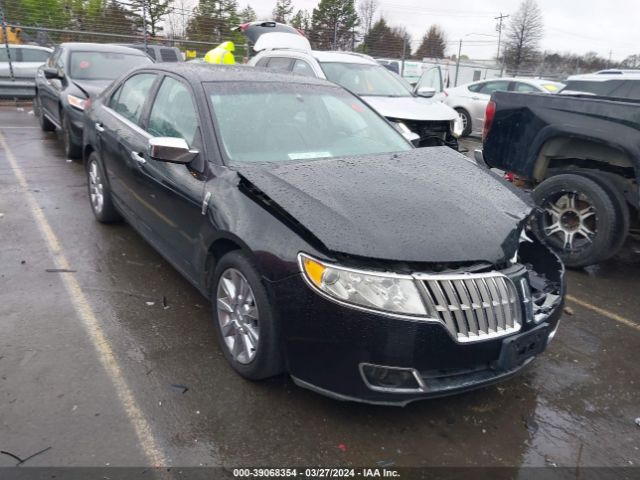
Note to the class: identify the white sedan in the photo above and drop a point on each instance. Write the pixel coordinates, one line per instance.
(470, 100)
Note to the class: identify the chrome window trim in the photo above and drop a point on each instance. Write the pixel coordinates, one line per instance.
(127, 122)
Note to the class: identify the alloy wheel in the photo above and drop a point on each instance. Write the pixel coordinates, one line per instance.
(463, 117)
(96, 189)
(238, 315)
(570, 220)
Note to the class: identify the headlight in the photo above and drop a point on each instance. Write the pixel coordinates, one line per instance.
(77, 102)
(458, 127)
(386, 292)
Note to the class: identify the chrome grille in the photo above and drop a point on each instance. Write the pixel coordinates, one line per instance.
(473, 307)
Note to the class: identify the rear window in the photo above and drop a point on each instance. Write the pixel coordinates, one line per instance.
(608, 88)
(103, 65)
(34, 55)
(168, 55)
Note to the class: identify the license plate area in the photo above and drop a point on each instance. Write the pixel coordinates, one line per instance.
(519, 348)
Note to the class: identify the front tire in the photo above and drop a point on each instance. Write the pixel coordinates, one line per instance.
(578, 219)
(71, 149)
(466, 121)
(244, 318)
(99, 193)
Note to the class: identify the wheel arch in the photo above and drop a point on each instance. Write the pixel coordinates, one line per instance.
(218, 249)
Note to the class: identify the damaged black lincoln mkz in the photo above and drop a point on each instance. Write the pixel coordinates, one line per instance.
(330, 248)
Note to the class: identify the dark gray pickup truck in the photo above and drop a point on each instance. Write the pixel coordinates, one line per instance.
(581, 157)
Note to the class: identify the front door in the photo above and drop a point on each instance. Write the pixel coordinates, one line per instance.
(431, 78)
(171, 195)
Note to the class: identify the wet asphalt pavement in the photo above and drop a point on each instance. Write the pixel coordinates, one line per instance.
(93, 362)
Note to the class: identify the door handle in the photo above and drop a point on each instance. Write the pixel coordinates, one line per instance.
(475, 98)
(138, 157)
(99, 127)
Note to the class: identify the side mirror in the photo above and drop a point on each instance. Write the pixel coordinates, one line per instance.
(171, 149)
(426, 92)
(51, 73)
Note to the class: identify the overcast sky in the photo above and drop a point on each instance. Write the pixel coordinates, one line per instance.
(577, 26)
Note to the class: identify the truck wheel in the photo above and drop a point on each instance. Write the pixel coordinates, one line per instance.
(466, 121)
(578, 219)
(622, 210)
(244, 318)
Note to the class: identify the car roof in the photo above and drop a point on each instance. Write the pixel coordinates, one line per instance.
(326, 56)
(199, 72)
(607, 75)
(101, 47)
(31, 47)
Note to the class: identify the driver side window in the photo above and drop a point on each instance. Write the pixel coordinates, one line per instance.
(173, 113)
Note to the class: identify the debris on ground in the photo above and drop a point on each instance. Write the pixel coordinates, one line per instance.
(531, 425)
(22, 262)
(180, 388)
(24, 460)
(1, 215)
(150, 304)
(60, 270)
(342, 447)
(569, 311)
(638, 421)
(165, 305)
(385, 463)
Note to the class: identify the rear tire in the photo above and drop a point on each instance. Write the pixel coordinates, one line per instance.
(466, 121)
(244, 318)
(45, 123)
(579, 219)
(99, 193)
(623, 216)
(71, 149)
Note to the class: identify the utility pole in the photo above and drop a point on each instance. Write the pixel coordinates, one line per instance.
(455, 83)
(6, 43)
(609, 61)
(499, 29)
(404, 54)
(144, 25)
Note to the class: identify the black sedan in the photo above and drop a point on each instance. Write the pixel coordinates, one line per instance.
(330, 248)
(73, 74)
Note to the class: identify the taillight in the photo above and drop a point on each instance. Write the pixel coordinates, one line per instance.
(244, 26)
(446, 94)
(489, 114)
(87, 104)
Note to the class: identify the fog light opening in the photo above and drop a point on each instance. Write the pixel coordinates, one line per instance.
(391, 379)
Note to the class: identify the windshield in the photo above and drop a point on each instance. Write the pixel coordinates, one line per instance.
(274, 122)
(103, 65)
(367, 80)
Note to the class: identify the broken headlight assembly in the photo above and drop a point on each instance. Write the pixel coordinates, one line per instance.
(383, 292)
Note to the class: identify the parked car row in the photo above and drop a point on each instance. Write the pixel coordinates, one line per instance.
(329, 246)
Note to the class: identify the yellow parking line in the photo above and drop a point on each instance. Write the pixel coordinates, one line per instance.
(90, 322)
(605, 313)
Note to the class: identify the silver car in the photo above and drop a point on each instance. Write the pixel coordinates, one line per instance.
(25, 60)
(470, 101)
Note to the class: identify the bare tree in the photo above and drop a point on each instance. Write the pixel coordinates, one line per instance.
(524, 33)
(367, 11)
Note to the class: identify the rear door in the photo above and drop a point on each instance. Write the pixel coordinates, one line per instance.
(123, 141)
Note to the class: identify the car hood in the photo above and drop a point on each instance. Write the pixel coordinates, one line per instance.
(92, 88)
(411, 108)
(425, 205)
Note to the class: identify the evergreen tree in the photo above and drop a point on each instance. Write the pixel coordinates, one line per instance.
(302, 21)
(213, 22)
(154, 12)
(333, 25)
(384, 41)
(282, 11)
(248, 14)
(433, 44)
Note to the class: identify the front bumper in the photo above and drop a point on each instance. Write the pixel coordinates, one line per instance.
(326, 344)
